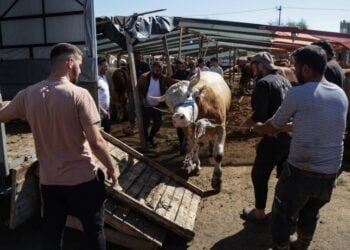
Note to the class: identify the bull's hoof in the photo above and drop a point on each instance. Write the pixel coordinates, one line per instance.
(216, 184)
(197, 171)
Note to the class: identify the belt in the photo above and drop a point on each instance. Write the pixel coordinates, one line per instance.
(312, 174)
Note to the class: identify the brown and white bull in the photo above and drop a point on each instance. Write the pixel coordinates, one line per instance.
(208, 96)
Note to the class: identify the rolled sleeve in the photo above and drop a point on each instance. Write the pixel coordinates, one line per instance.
(285, 111)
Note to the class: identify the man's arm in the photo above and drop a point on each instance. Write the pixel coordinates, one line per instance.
(99, 148)
(5, 113)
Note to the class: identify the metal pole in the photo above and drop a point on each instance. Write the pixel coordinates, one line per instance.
(200, 47)
(217, 50)
(279, 15)
(180, 42)
(165, 43)
(135, 91)
(4, 168)
(230, 67)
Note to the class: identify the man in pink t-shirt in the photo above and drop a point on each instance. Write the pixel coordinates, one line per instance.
(64, 121)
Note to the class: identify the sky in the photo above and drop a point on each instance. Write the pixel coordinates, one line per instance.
(319, 15)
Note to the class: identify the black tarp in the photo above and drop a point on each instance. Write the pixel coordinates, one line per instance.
(139, 28)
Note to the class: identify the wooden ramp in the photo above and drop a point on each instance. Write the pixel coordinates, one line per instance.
(153, 201)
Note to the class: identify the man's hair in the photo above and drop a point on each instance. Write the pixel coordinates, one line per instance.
(64, 49)
(313, 56)
(326, 46)
(101, 60)
(157, 64)
(200, 60)
(214, 59)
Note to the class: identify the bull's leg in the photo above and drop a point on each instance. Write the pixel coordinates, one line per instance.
(192, 162)
(218, 154)
(196, 167)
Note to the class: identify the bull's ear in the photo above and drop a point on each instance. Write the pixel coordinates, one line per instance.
(158, 98)
(195, 79)
(198, 92)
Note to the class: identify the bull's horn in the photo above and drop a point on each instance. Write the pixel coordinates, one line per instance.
(195, 79)
(158, 98)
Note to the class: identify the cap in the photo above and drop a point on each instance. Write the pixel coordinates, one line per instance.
(265, 58)
(179, 61)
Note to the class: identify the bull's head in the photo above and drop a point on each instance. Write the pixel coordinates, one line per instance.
(180, 98)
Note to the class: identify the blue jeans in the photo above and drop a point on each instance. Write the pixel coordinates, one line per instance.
(85, 201)
(298, 199)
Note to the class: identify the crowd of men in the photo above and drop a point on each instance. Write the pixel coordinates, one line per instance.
(302, 128)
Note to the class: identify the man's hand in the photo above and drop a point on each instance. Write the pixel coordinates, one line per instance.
(113, 176)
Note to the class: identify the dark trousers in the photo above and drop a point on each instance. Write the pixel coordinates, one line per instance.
(106, 124)
(131, 109)
(149, 114)
(270, 152)
(85, 201)
(298, 199)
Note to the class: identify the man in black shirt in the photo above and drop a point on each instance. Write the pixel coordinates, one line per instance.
(334, 72)
(268, 93)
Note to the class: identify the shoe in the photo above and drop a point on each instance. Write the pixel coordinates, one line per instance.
(248, 214)
(152, 142)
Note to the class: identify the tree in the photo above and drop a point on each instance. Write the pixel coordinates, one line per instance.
(299, 24)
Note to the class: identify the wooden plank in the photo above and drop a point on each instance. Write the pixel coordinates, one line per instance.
(150, 162)
(133, 224)
(128, 241)
(175, 203)
(182, 213)
(192, 212)
(138, 185)
(164, 203)
(157, 192)
(153, 181)
(149, 213)
(118, 154)
(153, 231)
(128, 178)
(115, 236)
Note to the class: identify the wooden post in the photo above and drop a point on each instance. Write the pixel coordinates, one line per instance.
(217, 50)
(165, 43)
(200, 53)
(4, 170)
(230, 67)
(135, 91)
(180, 42)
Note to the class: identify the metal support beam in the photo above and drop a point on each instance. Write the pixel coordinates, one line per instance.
(180, 42)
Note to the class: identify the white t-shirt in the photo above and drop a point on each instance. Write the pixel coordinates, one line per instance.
(153, 90)
(103, 92)
(217, 69)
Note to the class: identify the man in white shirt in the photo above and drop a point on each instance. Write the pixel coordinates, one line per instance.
(152, 83)
(214, 66)
(103, 94)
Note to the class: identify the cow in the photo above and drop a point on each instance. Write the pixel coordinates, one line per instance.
(206, 95)
(119, 81)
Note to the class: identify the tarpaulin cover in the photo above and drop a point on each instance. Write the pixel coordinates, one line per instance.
(140, 29)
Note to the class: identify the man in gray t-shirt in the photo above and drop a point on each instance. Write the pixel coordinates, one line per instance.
(318, 109)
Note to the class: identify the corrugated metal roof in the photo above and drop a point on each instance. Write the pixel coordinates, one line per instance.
(224, 36)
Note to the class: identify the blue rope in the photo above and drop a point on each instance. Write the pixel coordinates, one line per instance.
(186, 103)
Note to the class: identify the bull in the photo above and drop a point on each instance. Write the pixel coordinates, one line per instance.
(206, 95)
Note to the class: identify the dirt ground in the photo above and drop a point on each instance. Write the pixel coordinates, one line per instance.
(218, 225)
